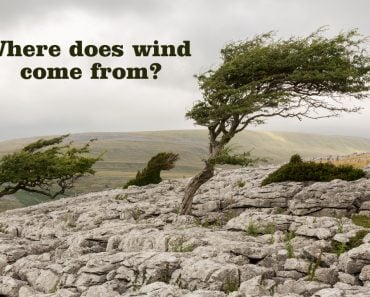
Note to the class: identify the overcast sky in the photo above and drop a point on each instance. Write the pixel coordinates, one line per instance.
(44, 107)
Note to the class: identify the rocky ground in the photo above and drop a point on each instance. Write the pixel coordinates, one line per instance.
(283, 240)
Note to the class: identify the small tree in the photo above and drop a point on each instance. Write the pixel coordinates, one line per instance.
(45, 167)
(151, 174)
(307, 77)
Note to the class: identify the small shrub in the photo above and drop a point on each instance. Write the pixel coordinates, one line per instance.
(71, 224)
(288, 243)
(269, 229)
(166, 274)
(338, 247)
(3, 228)
(340, 225)
(295, 159)
(278, 210)
(151, 174)
(136, 213)
(361, 220)
(312, 268)
(355, 241)
(231, 285)
(240, 183)
(251, 229)
(121, 196)
(205, 223)
(179, 246)
(297, 170)
(70, 220)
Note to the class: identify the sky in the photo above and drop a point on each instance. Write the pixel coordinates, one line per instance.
(49, 107)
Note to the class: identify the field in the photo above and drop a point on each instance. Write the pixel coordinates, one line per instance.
(125, 153)
(356, 160)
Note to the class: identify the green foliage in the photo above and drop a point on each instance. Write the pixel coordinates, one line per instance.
(361, 220)
(165, 274)
(179, 246)
(231, 285)
(339, 247)
(151, 174)
(46, 167)
(225, 157)
(269, 229)
(340, 225)
(278, 210)
(297, 170)
(294, 159)
(251, 229)
(240, 183)
(264, 77)
(121, 196)
(288, 243)
(355, 241)
(3, 228)
(313, 266)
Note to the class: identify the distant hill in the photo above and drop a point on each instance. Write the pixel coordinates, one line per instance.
(128, 152)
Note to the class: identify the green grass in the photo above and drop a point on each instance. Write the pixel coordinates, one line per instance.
(289, 236)
(28, 199)
(251, 229)
(361, 220)
(355, 241)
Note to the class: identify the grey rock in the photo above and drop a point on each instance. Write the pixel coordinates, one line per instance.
(348, 279)
(133, 242)
(10, 286)
(338, 195)
(257, 286)
(365, 273)
(299, 265)
(301, 287)
(349, 265)
(327, 275)
(331, 292)
(204, 293)
(361, 253)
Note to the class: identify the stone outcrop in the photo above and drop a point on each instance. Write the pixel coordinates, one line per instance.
(243, 240)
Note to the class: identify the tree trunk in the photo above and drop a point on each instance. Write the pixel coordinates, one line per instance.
(193, 187)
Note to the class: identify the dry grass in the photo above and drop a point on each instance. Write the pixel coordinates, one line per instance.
(356, 160)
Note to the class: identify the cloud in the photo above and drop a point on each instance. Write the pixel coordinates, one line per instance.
(49, 107)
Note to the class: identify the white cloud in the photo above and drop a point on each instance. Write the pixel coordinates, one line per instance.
(51, 107)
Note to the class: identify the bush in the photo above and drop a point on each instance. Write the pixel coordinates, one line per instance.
(297, 170)
(354, 241)
(151, 174)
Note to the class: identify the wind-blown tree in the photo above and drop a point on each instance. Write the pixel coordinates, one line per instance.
(301, 77)
(151, 174)
(46, 167)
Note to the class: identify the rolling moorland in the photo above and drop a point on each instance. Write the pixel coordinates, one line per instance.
(125, 153)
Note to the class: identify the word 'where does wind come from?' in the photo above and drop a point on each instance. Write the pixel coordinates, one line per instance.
(9, 48)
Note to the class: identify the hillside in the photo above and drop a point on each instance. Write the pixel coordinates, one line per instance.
(128, 152)
(283, 240)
